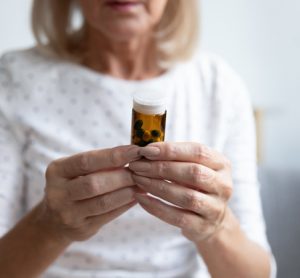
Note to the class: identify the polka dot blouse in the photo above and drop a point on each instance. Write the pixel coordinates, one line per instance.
(50, 108)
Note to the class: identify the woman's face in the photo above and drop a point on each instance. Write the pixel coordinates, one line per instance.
(123, 19)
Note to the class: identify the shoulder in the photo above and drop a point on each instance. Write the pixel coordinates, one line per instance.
(217, 76)
(225, 91)
(22, 75)
(20, 71)
(31, 72)
(20, 62)
(32, 55)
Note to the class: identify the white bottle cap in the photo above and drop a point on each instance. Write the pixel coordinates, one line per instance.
(149, 102)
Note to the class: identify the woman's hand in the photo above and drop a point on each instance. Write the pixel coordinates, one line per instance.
(196, 179)
(86, 191)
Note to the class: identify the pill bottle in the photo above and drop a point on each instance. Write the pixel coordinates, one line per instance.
(148, 118)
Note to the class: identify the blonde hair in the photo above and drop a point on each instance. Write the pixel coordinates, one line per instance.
(176, 35)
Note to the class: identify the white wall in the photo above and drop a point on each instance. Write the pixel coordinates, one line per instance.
(15, 24)
(260, 39)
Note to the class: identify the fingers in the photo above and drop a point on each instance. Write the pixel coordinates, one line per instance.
(193, 226)
(189, 199)
(194, 175)
(99, 183)
(92, 161)
(105, 203)
(185, 152)
(101, 220)
(172, 215)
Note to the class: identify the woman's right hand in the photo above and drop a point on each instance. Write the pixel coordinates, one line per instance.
(85, 191)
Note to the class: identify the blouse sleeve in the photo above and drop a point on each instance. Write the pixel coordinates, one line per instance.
(240, 148)
(11, 164)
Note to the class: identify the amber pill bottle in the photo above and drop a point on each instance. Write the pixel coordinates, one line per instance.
(148, 118)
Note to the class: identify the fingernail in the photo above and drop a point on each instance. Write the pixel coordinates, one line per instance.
(140, 166)
(141, 180)
(150, 151)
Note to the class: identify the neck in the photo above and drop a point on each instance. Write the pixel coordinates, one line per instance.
(134, 59)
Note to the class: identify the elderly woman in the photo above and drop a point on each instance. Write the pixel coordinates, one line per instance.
(65, 127)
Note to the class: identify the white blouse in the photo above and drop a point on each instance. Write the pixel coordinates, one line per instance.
(50, 108)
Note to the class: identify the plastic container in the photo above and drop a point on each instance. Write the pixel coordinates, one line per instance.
(148, 118)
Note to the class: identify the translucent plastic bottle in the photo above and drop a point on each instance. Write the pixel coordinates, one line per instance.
(148, 118)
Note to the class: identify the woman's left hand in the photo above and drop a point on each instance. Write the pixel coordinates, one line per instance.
(193, 177)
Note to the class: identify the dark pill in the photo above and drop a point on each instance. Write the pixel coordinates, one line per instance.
(143, 143)
(155, 133)
(140, 132)
(138, 124)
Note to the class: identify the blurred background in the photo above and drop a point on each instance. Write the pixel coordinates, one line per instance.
(261, 41)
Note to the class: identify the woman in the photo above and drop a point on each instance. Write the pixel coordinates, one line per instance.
(66, 105)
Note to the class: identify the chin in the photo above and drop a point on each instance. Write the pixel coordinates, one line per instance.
(125, 32)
